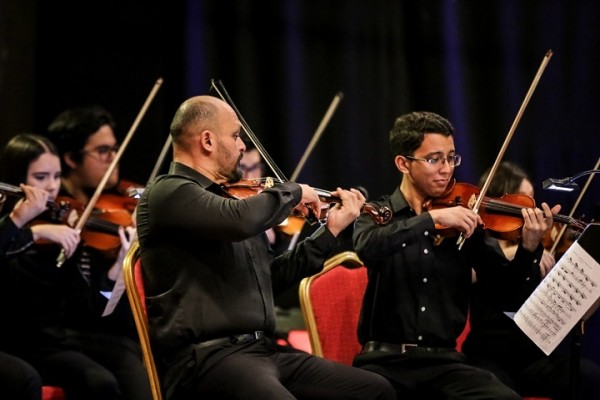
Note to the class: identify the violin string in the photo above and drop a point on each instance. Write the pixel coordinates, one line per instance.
(102, 224)
(498, 205)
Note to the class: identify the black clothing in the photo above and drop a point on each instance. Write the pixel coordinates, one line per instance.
(418, 293)
(18, 380)
(497, 344)
(209, 273)
(8, 232)
(39, 299)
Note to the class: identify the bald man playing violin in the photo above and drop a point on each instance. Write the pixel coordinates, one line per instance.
(210, 275)
(417, 297)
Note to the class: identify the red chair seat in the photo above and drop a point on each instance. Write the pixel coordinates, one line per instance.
(53, 393)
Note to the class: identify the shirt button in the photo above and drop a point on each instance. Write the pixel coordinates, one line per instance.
(426, 251)
(419, 337)
(535, 261)
(424, 280)
(426, 233)
(403, 244)
(423, 309)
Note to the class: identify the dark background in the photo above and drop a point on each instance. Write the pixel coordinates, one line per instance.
(283, 61)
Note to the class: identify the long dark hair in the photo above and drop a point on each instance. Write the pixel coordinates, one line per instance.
(19, 153)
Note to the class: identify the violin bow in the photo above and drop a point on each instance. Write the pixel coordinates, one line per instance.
(564, 227)
(317, 135)
(161, 158)
(218, 86)
(536, 79)
(94, 199)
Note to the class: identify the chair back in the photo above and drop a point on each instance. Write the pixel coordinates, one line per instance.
(134, 285)
(331, 301)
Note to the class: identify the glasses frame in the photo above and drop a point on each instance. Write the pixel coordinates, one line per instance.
(102, 152)
(453, 160)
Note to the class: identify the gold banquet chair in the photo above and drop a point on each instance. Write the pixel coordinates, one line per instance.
(134, 285)
(331, 301)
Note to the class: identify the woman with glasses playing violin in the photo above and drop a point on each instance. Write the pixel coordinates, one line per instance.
(87, 143)
(34, 293)
(417, 297)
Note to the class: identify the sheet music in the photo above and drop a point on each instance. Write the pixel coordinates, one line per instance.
(561, 299)
(115, 296)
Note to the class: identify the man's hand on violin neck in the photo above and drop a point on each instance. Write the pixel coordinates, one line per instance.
(310, 200)
(346, 211)
(536, 224)
(460, 218)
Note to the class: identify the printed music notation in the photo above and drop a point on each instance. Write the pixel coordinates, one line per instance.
(560, 301)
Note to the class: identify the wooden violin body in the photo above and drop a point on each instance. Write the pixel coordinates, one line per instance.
(501, 216)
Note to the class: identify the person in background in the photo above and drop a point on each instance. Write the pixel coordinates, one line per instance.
(210, 278)
(417, 296)
(18, 379)
(34, 292)
(495, 342)
(87, 143)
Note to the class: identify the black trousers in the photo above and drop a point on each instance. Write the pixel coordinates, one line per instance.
(416, 375)
(120, 355)
(261, 369)
(18, 379)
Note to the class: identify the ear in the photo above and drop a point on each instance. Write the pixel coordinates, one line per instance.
(68, 158)
(206, 140)
(401, 164)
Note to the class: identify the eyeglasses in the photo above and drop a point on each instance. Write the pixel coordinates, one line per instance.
(453, 160)
(102, 153)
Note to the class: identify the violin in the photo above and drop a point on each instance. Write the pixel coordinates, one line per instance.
(101, 230)
(375, 212)
(98, 192)
(501, 216)
(249, 187)
(102, 227)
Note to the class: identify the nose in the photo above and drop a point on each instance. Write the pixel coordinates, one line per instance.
(52, 186)
(446, 167)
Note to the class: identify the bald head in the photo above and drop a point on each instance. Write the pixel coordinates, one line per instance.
(194, 115)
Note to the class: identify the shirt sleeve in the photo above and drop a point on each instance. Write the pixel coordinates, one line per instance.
(12, 239)
(305, 259)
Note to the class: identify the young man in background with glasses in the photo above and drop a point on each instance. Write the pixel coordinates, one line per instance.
(417, 297)
(86, 140)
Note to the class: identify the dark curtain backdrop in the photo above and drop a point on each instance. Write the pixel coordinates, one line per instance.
(283, 61)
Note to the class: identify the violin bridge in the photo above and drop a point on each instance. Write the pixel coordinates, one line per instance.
(472, 201)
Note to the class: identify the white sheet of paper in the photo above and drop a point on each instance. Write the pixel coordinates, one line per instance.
(561, 299)
(115, 296)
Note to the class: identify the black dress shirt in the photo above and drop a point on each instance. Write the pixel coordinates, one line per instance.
(418, 292)
(208, 268)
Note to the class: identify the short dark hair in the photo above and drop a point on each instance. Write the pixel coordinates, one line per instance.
(21, 151)
(409, 131)
(507, 179)
(71, 129)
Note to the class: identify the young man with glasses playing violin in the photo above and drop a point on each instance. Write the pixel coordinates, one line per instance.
(86, 140)
(417, 297)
